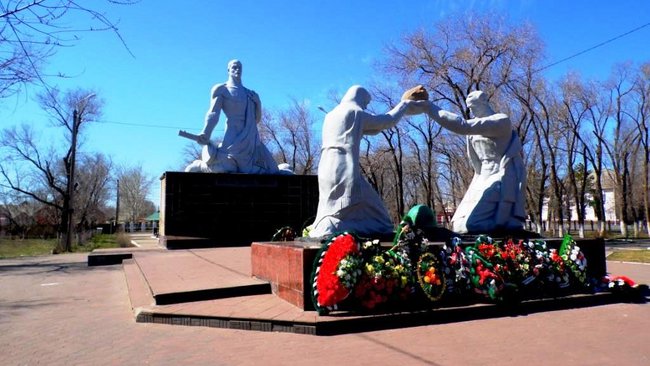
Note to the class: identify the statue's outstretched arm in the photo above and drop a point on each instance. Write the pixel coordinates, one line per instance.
(373, 124)
(497, 124)
(212, 117)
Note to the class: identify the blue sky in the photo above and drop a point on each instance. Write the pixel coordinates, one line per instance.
(289, 49)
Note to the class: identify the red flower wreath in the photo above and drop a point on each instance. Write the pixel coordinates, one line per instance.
(328, 289)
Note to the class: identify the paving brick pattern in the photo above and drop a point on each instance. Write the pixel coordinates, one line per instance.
(58, 311)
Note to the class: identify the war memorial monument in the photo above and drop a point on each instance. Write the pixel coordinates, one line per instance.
(353, 268)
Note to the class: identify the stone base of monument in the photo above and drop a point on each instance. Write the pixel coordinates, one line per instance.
(211, 210)
(215, 287)
(288, 265)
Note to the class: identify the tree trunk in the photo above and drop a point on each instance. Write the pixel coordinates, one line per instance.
(581, 229)
(646, 191)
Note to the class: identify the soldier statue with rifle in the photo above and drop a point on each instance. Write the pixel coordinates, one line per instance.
(241, 150)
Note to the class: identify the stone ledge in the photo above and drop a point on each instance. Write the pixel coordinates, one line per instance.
(107, 259)
(210, 294)
(345, 323)
(111, 256)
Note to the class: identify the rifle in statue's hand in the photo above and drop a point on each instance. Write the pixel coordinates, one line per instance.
(191, 136)
(209, 151)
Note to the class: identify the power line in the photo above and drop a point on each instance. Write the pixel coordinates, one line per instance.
(217, 129)
(592, 48)
(321, 108)
(143, 125)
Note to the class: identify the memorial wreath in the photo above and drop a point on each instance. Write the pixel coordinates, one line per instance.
(356, 274)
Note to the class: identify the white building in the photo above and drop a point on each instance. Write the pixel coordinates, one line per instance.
(590, 213)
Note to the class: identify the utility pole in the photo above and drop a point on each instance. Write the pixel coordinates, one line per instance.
(70, 160)
(76, 121)
(117, 207)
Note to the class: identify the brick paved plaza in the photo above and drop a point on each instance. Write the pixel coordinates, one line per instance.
(56, 310)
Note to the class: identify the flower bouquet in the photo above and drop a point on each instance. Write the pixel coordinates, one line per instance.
(386, 277)
(618, 283)
(537, 256)
(431, 277)
(515, 263)
(486, 248)
(556, 269)
(624, 287)
(574, 260)
(484, 278)
(455, 267)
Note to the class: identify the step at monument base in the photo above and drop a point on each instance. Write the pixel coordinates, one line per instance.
(192, 275)
(111, 256)
(269, 313)
(212, 271)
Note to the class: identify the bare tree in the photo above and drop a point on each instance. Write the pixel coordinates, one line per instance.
(20, 212)
(633, 169)
(135, 186)
(460, 55)
(532, 95)
(594, 140)
(422, 141)
(377, 165)
(393, 146)
(31, 31)
(191, 151)
(465, 54)
(42, 173)
(93, 191)
(291, 135)
(639, 113)
(572, 114)
(551, 140)
(618, 146)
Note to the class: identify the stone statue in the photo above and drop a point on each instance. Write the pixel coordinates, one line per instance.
(241, 150)
(495, 197)
(346, 200)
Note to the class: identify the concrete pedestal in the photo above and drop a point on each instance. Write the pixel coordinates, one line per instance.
(212, 210)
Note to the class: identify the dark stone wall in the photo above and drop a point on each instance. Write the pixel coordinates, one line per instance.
(212, 210)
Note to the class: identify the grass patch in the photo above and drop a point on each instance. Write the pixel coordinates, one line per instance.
(99, 241)
(641, 256)
(12, 248)
(104, 241)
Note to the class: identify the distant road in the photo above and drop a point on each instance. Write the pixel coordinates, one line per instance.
(628, 244)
